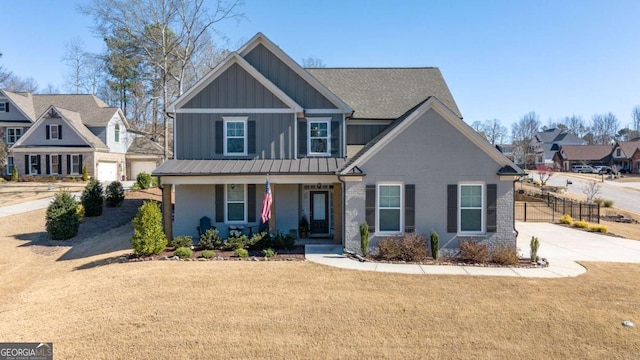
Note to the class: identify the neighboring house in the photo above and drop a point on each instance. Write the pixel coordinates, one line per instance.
(143, 155)
(570, 155)
(509, 150)
(546, 143)
(57, 135)
(626, 155)
(339, 146)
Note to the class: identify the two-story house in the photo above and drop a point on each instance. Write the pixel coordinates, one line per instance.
(546, 143)
(626, 156)
(58, 135)
(340, 146)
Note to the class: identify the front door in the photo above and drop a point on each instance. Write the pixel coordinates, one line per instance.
(319, 214)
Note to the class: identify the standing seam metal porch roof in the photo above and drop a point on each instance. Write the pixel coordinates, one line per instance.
(304, 166)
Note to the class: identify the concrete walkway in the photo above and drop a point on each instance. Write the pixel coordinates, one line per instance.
(562, 246)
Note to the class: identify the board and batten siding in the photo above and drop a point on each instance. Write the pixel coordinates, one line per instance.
(235, 89)
(335, 134)
(287, 79)
(362, 134)
(196, 136)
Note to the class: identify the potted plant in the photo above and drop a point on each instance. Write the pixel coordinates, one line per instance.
(304, 226)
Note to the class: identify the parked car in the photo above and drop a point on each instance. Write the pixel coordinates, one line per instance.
(582, 169)
(602, 170)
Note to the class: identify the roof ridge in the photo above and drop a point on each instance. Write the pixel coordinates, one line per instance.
(374, 67)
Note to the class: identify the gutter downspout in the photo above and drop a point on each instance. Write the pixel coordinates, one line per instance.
(166, 134)
(344, 208)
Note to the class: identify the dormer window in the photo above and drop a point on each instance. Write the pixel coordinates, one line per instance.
(618, 152)
(235, 135)
(319, 137)
(116, 136)
(54, 132)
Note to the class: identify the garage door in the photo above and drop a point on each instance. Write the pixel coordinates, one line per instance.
(107, 171)
(142, 166)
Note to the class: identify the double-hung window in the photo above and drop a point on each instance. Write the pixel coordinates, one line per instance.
(236, 201)
(54, 164)
(319, 139)
(75, 164)
(34, 164)
(3, 107)
(471, 205)
(116, 135)
(13, 134)
(9, 165)
(235, 135)
(53, 132)
(389, 208)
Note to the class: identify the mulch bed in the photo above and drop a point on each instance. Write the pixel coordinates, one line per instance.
(294, 254)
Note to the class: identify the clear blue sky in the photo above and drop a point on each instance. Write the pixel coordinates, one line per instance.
(501, 59)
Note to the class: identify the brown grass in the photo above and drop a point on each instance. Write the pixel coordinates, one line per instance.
(17, 192)
(243, 310)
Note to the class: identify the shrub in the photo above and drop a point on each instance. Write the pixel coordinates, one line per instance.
(598, 201)
(241, 253)
(237, 242)
(85, 173)
(608, 203)
(115, 194)
(182, 241)
(80, 211)
(474, 251)
(92, 198)
(143, 180)
(410, 247)
(208, 254)
(148, 237)
(62, 217)
(581, 224)
(389, 249)
(364, 238)
(183, 252)
(283, 241)
(505, 255)
(535, 245)
(269, 252)
(435, 244)
(260, 241)
(598, 228)
(566, 219)
(14, 173)
(210, 240)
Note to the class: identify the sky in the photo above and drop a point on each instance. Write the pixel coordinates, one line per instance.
(500, 58)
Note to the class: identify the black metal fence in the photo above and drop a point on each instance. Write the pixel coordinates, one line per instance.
(549, 208)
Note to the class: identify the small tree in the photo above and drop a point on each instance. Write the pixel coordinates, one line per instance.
(143, 180)
(535, 245)
(364, 238)
(545, 173)
(435, 244)
(591, 189)
(92, 198)
(62, 217)
(148, 236)
(14, 173)
(85, 173)
(115, 194)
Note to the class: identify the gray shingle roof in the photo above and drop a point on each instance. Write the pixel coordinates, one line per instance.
(555, 135)
(94, 112)
(75, 120)
(142, 145)
(304, 166)
(385, 93)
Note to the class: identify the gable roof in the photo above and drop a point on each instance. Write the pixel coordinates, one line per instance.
(385, 93)
(233, 58)
(401, 123)
(556, 135)
(629, 147)
(260, 38)
(22, 102)
(145, 146)
(74, 121)
(584, 152)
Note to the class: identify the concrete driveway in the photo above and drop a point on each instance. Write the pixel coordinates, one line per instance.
(563, 244)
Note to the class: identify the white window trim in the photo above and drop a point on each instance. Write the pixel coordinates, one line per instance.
(242, 119)
(30, 167)
(327, 121)
(116, 133)
(3, 106)
(77, 156)
(15, 136)
(51, 157)
(378, 231)
(226, 205)
(10, 165)
(483, 208)
(51, 127)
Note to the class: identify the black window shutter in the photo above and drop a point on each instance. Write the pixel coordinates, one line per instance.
(39, 165)
(452, 208)
(302, 137)
(335, 138)
(80, 166)
(219, 203)
(48, 164)
(251, 146)
(26, 164)
(68, 164)
(370, 207)
(60, 132)
(492, 213)
(219, 138)
(409, 208)
(60, 164)
(46, 128)
(6, 107)
(251, 202)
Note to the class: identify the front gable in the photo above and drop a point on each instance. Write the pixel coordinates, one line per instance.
(52, 129)
(11, 113)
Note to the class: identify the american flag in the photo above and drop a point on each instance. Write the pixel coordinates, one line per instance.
(266, 204)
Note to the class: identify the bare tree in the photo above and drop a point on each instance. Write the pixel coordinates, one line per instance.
(604, 128)
(17, 84)
(495, 131)
(523, 132)
(313, 62)
(575, 125)
(591, 189)
(4, 74)
(74, 58)
(635, 116)
(50, 89)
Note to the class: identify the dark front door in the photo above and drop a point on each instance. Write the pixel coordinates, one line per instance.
(319, 212)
